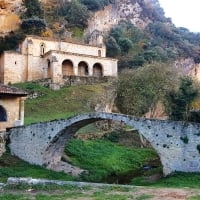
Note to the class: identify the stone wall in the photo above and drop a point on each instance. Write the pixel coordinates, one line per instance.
(177, 143)
(37, 57)
(14, 67)
(12, 107)
(81, 80)
(53, 44)
(109, 66)
(2, 142)
(1, 68)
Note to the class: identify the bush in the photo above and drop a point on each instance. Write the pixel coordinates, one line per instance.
(11, 41)
(33, 26)
(75, 13)
(179, 101)
(33, 9)
(141, 89)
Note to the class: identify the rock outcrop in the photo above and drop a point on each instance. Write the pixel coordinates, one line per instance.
(9, 15)
(128, 10)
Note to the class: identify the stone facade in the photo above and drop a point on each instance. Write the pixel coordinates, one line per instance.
(2, 142)
(11, 107)
(39, 58)
(11, 111)
(177, 143)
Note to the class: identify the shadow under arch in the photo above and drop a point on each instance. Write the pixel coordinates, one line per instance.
(83, 68)
(98, 70)
(67, 68)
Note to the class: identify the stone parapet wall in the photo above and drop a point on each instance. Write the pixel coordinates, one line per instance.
(81, 80)
(72, 81)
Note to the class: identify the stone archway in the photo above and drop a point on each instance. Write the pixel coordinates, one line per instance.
(67, 68)
(3, 114)
(43, 143)
(83, 69)
(97, 70)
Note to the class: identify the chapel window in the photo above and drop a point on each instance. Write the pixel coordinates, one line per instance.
(42, 49)
(99, 53)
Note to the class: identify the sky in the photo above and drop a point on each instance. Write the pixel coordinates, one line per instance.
(184, 13)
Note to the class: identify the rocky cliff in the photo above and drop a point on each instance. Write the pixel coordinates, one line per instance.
(9, 15)
(133, 11)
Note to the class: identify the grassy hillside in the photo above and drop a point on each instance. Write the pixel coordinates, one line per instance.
(63, 103)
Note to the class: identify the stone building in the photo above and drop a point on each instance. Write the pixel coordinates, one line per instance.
(11, 106)
(39, 58)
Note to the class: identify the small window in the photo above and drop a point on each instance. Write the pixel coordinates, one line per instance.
(42, 49)
(99, 53)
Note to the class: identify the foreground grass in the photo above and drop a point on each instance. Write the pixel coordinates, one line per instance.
(104, 159)
(195, 198)
(55, 192)
(11, 166)
(66, 192)
(62, 103)
(176, 180)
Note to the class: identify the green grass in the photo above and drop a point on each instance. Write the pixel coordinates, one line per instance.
(64, 192)
(62, 103)
(13, 197)
(103, 158)
(144, 197)
(195, 198)
(177, 180)
(11, 166)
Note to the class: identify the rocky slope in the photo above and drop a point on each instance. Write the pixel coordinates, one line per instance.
(9, 15)
(128, 10)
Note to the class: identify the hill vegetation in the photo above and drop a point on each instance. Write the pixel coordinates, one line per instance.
(159, 41)
(45, 104)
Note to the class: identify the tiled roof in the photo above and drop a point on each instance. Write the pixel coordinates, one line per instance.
(9, 90)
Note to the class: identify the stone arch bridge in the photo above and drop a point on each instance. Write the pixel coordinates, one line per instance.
(177, 143)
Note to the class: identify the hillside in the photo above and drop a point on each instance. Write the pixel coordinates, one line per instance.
(44, 104)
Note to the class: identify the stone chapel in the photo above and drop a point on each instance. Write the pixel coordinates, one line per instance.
(41, 58)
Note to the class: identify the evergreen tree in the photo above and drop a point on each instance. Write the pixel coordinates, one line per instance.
(180, 101)
(33, 9)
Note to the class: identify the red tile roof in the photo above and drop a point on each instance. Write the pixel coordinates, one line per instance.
(9, 90)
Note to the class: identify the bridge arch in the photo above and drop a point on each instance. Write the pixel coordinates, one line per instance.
(44, 143)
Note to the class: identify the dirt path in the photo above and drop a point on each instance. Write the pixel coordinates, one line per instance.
(90, 191)
(167, 193)
(136, 193)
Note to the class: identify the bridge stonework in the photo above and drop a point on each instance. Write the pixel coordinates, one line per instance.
(177, 143)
